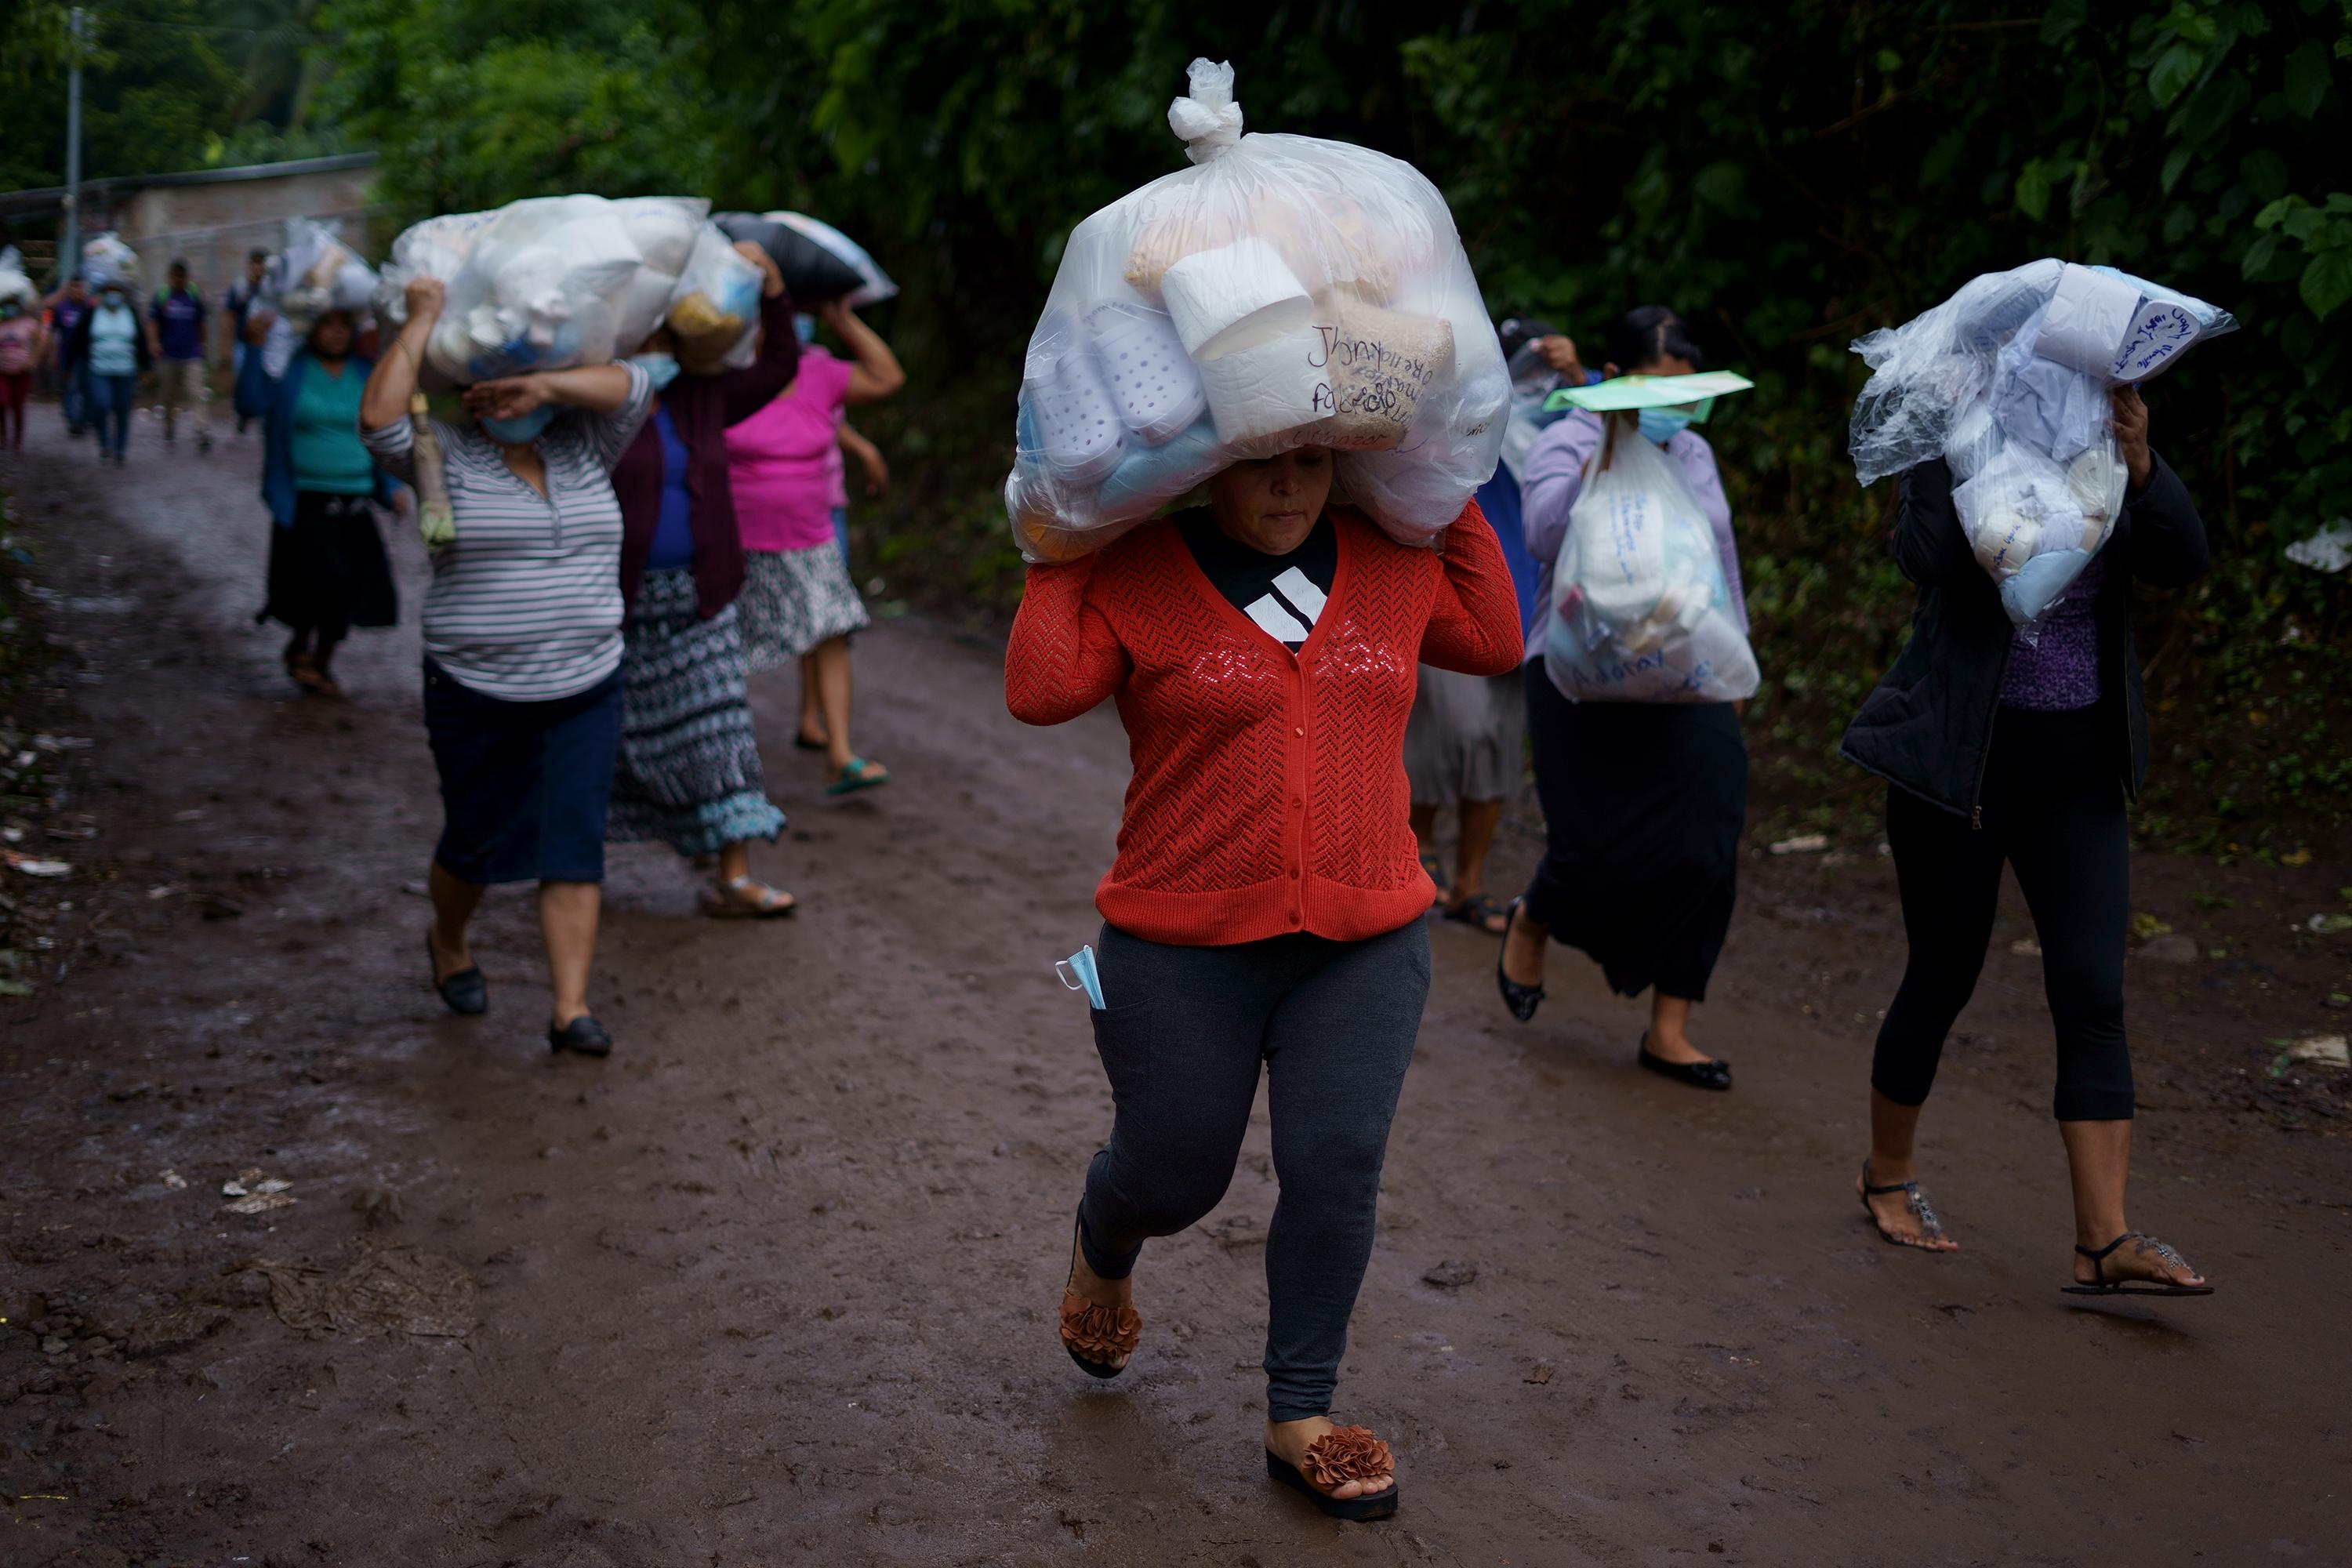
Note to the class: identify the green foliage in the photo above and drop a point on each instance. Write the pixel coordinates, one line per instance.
(156, 89)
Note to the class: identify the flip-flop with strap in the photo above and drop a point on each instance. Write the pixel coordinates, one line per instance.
(1343, 1455)
(855, 777)
(1931, 1227)
(2103, 1285)
(724, 902)
(1480, 912)
(1094, 1333)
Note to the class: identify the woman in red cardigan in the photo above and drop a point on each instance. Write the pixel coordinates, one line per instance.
(1266, 904)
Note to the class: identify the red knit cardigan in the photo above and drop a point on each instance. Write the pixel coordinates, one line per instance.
(1269, 792)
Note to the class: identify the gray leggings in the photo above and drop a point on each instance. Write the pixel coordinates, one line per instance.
(1181, 1038)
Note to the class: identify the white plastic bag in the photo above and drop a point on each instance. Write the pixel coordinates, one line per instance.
(14, 282)
(315, 273)
(2010, 381)
(1283, 291)
(1641, 611)
(556, 282)
(108, 258)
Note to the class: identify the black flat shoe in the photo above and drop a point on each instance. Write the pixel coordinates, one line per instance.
(1711, 1074)
(1522, 1000)
(584, 1035)
(465, 992)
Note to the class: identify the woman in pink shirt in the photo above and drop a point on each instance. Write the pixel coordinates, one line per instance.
(23, 343)
(798, 601)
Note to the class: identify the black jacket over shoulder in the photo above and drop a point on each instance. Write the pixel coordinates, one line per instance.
(1928, 725)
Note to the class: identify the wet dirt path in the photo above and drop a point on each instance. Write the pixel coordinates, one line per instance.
(775, 1284)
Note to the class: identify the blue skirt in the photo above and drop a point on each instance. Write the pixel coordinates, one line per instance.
(524, 785)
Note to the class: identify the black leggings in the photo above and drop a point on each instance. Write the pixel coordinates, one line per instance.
(1182, 1038)
(2053, 807)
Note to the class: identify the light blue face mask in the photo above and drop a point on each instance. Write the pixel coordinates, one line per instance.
(1078, 973)
(804, 329)
(520, 432)
(1663, 425)
(661, 369)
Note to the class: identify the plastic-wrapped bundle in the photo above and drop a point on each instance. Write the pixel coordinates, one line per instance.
(315, 273)
(2010, 382)
(819, 262)
(108, 259)
(1283, 291)
(1641, 612)
(14, 285)
(555, 281)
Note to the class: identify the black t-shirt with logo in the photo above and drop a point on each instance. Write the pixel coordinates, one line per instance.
(1285, 594)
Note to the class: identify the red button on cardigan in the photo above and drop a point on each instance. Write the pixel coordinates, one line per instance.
(1214, 708)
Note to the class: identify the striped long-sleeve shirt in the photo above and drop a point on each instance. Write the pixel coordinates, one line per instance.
(526, 603)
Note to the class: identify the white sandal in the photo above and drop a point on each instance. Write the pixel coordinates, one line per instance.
(1158, 392)
(727, 901)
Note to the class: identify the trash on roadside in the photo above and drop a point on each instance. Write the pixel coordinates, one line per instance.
(171, 1179)
(2317, 1051)
(32, 867)
(255, 1193)
(1803, 844)
(2329, 549)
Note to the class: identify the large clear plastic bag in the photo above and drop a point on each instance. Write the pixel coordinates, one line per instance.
(2010, 381)
(1283, 291)
(555, 281)
(1641, 612)
(315, 273)
(108, 259)
(14, 283)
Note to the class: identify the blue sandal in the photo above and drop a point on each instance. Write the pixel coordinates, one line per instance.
(858, 774)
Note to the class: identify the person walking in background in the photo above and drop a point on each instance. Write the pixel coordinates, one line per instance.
(688, 769)
(809, 735)
(237, 305)
(111, 349)
(176, 321)
(24, 343)
(328, 571)
(2000, 750)
(522, 650)
(1265, 911)
(798, 601)
(1643, 802)
(68, 309)
(1464, 746)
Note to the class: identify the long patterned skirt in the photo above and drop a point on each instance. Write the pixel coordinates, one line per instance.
(688, 769)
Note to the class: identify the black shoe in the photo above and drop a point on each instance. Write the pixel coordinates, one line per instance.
(1522, 1000)
(465, 991)
(584, 1035)
(1709, 1074)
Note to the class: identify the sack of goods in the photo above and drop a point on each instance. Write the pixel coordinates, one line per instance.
(108, 259)
(1283, 291)
(1641, 611)
(2010, 382)
(15, 284)
(314, 274)
(555, 281)
(819, 262)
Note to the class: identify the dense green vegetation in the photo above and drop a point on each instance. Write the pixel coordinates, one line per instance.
(1787, 176)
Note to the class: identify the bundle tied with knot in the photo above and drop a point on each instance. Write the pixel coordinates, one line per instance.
(1281, 291)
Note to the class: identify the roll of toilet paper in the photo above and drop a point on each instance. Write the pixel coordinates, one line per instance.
(1375, 365)
(2005, 541)
(1158, 392)
(1233, 298)
(2088, 322)
(2159, 331)
(1266, 390)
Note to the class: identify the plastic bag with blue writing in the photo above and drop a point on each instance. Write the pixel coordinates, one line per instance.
(1641, 612)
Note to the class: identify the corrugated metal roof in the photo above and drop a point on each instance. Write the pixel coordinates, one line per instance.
(52, 198)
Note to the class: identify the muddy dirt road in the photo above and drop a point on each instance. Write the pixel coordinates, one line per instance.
(775, 1284)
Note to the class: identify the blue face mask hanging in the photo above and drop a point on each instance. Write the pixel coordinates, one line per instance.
(1078, 973)
(520, 432)
(1663, 425)
(659, 368)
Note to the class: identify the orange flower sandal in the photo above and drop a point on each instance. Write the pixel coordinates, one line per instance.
(1343, 1455)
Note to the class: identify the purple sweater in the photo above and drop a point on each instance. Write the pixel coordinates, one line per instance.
(1552, 478)
(2060, 673)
